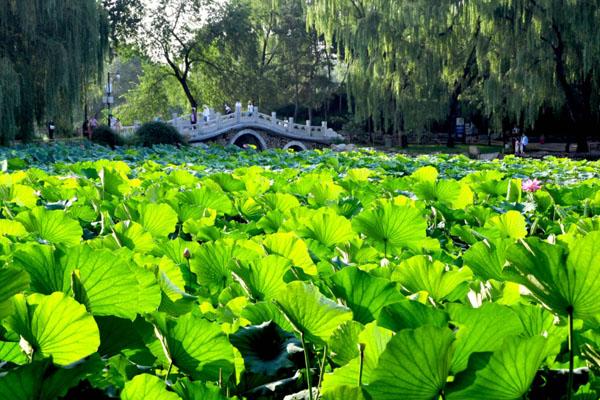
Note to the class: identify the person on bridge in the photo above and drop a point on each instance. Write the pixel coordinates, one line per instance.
(250, 108)
(206, 113)
(227, 109)
(238, 106)
(194, 117)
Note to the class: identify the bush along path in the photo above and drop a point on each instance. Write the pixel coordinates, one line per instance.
(158, 273)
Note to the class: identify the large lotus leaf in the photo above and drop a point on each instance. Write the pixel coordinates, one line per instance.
(374, 341)
(328, 228)
(23, 383)
(449, 192)
(510, 225)
(408, 314)
(287, 244)
(283, 202)
(539, 321)
(421, 273)
(115, 181)
(343, 343)
(158, 219)
(12, 281)
(425, 174)
(228, 182)
(51, 226)
(147, 387)
(112, 285)
(310, 312)
(414, 365)
(207, 198)
(266, 348)
(133, 236)
(480, 329)
(189, 390)
(347, 393)
(324, 192)
(55, 326)
(264, 276)
(392, 227)
(365, 294)
(258, 313)
(12, 228)
(505, 374)
(22, 195)
(11, 352)
(212, 264)
(561, 283)
(47, 274)
(487, 259)
(197, 347)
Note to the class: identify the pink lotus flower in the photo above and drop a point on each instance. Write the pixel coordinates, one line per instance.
(531, 185)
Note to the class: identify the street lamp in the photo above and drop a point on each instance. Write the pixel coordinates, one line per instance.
(109, 98)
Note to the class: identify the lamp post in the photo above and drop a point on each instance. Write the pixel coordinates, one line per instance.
(109, 98)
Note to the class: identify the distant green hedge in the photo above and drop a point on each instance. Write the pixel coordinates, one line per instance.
(107, 136)
(152, 133)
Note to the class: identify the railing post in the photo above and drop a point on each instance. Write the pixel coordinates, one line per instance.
(308, 127)
(273, 118)
(255, 113)
(290, 127)
(238, 113)
(218, 117)
(323, 128)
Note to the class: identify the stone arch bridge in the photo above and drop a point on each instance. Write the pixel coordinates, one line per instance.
(254, 128)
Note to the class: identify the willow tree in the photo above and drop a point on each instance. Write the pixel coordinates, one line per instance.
(48, 50)
(412, 62)
(546, 54)
(409, 61)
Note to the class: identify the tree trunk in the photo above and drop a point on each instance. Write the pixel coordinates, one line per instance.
(188, 93)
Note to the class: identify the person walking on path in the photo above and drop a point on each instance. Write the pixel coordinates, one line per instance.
(524, 143)
(194, 117)
(51, 129)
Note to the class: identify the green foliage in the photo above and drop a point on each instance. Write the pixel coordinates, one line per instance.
(48, 52)
(213, 273)
(107, 136)
(152, 133)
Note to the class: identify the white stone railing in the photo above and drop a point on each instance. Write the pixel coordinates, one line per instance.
(218, 124)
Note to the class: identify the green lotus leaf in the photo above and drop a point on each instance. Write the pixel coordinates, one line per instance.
(11, 352)
(189, 390)
(133, 236)
(488, 259)
(147, 387)
(448, 192)
(347, 393)
(158, 219)
(207, 198)
(408, 314)
(505, 374)
(12, 228)
(51, 226)
(392, 227)
(328, 228)
(266, 348)
(311, 313)
(55, 326)
(258, 313)
(21, 195)
(365, 294)
(283, 202)
(425, 174)
(561, 283)
(47, 273)
(287, 244)
(510, 225)
(23, 383)
(196, 346)
(421, 273)
(228, 182)
(114, 181)
(12, 281)
(374, 341)
(212, 264)
(343, 343)
(480, 329)
(414, 365)
(264, 276)
(113, 286)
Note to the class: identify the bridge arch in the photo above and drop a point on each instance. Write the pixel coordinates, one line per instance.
(295, 145)
(248, 136)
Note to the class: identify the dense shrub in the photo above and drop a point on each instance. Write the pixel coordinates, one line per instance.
(107, 136)
(152, 133)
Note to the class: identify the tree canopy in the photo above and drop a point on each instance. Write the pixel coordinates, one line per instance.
(48, 52)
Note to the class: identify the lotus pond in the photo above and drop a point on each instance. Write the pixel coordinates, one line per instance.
(219, 273)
